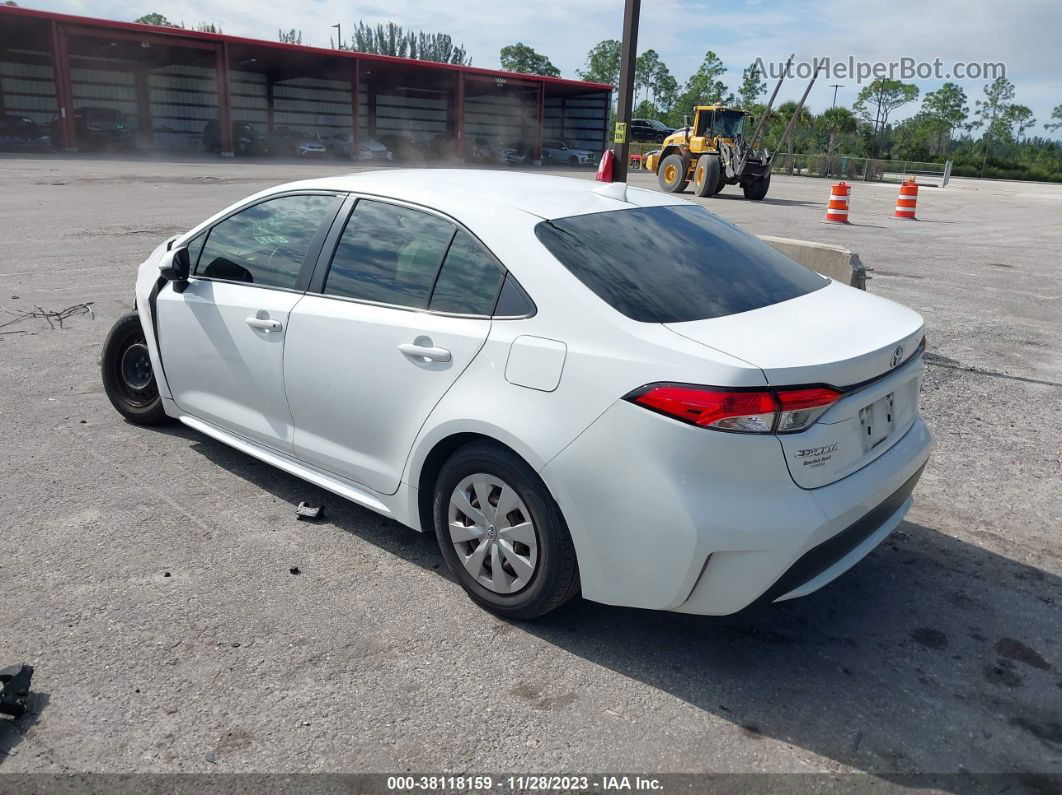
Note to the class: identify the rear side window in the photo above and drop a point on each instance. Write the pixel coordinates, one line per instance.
(388, 254)
(265, 244)
(469, 281)
(674, 263)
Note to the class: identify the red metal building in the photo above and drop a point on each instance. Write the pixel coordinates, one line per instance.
(170, 83)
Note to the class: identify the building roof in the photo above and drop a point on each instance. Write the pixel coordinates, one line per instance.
(190, 36)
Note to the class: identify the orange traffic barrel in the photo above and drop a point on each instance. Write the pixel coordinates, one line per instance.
(908, 198)
(837, 209)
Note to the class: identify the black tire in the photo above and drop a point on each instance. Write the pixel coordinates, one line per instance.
(556, 574)
(671, 174)
(127, 377)
(706, 176)
(756, 191)
(573, 161)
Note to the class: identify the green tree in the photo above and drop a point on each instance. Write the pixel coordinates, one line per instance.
(645, 70)
(392, 39)
(704, 87)
(208, 27)
(879, 99)
(835, 121)
(603, 63)
(665, 91)
(916, 138)
(802, 128)
(290, 36)
(947, 106)
(521, 58)
(752, 86)
(1056, 119)
(992, 110)
(991, 115)
(155, 18)
(1019, 118)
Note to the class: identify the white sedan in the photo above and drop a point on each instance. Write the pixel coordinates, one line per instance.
(576, 387)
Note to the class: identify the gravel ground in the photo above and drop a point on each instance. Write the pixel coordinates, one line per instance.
(145, 573)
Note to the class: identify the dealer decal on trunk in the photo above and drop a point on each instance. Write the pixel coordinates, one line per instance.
(816, 457)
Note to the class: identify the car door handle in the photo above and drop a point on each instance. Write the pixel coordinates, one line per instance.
(414, 351)
(264, 324)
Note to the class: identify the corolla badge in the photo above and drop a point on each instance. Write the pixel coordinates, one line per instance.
(897, 356)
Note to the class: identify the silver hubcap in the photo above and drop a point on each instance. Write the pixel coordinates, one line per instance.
(492, 532)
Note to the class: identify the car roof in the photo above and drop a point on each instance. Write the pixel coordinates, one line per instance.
(458, 192)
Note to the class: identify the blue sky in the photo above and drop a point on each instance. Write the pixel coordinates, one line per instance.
(1023, 34)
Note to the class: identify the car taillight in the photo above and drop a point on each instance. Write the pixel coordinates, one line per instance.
(740, 410)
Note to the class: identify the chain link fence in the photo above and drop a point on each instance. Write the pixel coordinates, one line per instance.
(854, 169)
(861, 169)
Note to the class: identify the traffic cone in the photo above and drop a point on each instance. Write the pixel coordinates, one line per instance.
(907, 200)
(604, 168)
(837, 208)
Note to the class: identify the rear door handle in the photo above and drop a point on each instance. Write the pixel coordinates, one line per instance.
(414, 351)
(264, 324)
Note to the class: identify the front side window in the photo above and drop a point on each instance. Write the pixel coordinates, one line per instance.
(469, 281)
(674, 263)
(388, 254)
(265, 244)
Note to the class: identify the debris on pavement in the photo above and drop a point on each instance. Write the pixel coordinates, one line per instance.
(48, 314)
(294, 570)
(14, 689)
(307, 511)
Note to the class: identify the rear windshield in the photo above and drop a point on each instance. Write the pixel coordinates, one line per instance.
(674, 263)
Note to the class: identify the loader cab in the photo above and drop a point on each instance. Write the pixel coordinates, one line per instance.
(712, 122)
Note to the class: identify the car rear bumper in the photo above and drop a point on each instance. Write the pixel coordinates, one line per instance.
(667, 516)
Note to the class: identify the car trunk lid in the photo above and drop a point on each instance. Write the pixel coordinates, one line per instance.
(864, 345)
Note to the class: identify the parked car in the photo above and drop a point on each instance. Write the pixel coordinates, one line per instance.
(486, 356)
(484, 151)
(560, 152)
(288, 141)
(368, 147)
(246, 139)
(649, 131)
(22, 133)
(97, 128)
(405, 145)
(515, 153)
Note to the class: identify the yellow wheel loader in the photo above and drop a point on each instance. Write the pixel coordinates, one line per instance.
(711, 152)
(715, 149)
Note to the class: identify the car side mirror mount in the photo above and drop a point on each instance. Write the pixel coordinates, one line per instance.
(175, 268)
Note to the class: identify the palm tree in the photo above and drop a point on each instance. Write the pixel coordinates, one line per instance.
(836, 120)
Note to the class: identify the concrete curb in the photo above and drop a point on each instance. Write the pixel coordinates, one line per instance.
(834, 262)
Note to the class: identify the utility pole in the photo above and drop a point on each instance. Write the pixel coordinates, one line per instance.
(339, 35)
(835, 86)
(628, 55)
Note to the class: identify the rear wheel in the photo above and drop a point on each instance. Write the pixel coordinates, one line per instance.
(501, 533)
(755, 191)
(127, 375)
(706, 176)
(672, 174)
